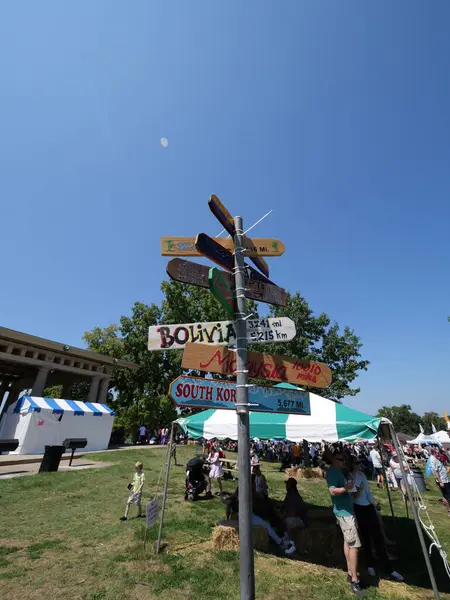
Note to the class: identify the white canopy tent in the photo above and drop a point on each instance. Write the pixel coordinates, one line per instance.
(40, 422)
(440, 437)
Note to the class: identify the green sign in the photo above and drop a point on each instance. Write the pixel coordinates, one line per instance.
(221, 290)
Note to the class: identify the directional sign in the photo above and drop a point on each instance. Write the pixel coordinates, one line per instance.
(185, 246)
(226, 220)
(221, 290)
(175, 337)
(196, 392)
(217, 359)
(211, 249)
(187, 271)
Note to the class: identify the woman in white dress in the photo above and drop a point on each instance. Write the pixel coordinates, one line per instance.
(216, 471)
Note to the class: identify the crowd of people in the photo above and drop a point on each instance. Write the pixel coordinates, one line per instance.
(348, 467)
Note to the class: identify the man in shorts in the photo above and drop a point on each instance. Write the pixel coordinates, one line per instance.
(340, 489)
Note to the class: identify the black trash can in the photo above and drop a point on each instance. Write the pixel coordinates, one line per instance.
(51, 459)
(418, 478)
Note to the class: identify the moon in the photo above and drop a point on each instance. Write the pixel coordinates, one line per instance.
(164, 142)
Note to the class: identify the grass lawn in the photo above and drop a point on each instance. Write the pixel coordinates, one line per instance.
(60, 537)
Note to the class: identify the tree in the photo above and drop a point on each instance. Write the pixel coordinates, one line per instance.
(53, 391)
(433, 418)
(402, 418)
(318, 339)
(141, 395)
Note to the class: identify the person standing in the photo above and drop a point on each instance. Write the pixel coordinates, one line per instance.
(340, 487)
(216, 470)
(377, 466)
(441, 476)
(143, 434)
(366, 508)
(135, 491)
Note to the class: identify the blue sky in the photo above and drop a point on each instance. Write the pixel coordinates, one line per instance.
(334, 114)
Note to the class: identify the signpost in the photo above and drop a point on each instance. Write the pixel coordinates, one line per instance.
(187, 271)
(175, 337)
(221, 290)
(185, 246)
(245, 282)
(226, 220)
(197, 392)
(217, 359)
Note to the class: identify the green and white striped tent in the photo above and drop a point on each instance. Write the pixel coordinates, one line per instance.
(328, 421)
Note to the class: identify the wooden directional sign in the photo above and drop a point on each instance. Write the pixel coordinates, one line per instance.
(196, 392)
(211, 249)
(218, 359)
(185, 246)
(221, 290)
(175, 337)
(187, 271)
(226, 220)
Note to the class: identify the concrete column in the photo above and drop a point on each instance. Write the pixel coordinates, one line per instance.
(93, 390)
(40, 382)
(4, 387)
(103, 391)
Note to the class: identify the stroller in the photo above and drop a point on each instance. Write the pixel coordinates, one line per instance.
(195, 479)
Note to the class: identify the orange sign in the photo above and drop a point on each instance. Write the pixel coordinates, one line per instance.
(219, 359)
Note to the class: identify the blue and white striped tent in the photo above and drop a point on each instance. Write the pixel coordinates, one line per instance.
(39, 422)
(59, 407)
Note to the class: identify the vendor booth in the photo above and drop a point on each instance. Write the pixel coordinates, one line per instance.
(39, 422)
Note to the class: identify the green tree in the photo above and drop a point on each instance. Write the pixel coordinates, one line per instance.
(53, 391)
(433, 418)
(141, 395)
(403, 418)
(318, 339)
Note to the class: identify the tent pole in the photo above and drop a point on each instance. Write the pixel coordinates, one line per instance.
(380, 445)
(415, 515)
(166, 483)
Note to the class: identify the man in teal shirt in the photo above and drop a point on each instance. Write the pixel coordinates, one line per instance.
(340, 488)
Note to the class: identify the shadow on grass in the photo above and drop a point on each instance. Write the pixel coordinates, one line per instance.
(410, 563)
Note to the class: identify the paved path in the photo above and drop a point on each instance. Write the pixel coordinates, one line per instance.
(21, 470)
(22, 459)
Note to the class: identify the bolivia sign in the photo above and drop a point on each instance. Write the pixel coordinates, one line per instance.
(217, 359)
(175, 337)
(195, 392)
(190, 272)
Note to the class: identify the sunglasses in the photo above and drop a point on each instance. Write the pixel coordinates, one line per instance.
(341, 459)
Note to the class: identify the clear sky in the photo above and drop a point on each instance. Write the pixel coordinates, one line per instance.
(333, 114)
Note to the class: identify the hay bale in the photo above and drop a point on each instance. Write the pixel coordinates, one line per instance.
(319, 513)
(319, 539)
(225, 536)
(318, 472)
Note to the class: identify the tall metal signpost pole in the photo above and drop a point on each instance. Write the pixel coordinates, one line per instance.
(247, 571)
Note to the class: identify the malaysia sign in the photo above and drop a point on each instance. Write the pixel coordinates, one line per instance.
(197, 392)
(193, 273)
(217, 359)
(175, 337)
